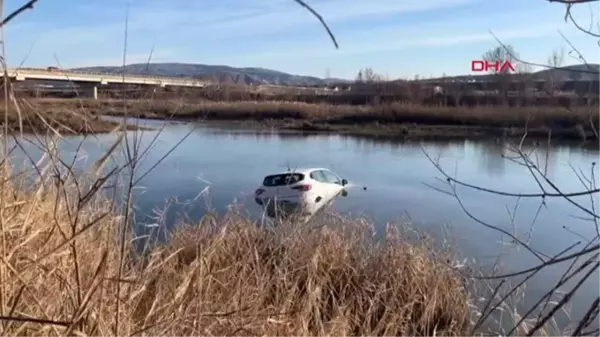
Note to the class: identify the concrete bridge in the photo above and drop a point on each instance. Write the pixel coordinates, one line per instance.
(91, 81)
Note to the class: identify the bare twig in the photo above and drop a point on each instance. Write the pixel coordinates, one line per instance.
(320, 18)
(28, 5)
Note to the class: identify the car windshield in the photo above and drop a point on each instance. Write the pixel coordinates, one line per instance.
(282, 179)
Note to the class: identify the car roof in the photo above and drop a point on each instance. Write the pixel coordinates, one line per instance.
(300, 170)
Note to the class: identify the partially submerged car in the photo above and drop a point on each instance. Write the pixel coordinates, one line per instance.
(302, 192)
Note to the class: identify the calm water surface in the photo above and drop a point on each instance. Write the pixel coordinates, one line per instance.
(401, 184)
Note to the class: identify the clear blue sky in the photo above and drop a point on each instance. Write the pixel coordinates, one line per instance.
(397, 38)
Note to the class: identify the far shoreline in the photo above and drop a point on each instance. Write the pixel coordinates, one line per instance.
(394, 121)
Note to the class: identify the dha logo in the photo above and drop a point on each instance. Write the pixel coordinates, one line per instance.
(498, 66)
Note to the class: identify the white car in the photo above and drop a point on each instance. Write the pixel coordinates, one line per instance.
(304, 191)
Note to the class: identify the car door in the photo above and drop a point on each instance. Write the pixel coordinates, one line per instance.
(334, 183)
(323, 188)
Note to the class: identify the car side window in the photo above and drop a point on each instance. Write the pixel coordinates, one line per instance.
(331, 178)
(318, 176)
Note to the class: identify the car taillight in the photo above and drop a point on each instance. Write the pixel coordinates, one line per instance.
(259, 191)
(302, 188)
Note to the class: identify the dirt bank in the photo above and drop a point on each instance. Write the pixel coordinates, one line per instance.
(33, 116)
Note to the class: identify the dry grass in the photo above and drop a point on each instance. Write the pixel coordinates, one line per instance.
(553, 118)
(224, 277)
(31, 117)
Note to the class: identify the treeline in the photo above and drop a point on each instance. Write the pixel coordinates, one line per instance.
(413, 93)
(426, 97)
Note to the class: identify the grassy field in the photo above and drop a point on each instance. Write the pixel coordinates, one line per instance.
(396, 119)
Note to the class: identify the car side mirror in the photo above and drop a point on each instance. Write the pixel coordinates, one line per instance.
(344, 182)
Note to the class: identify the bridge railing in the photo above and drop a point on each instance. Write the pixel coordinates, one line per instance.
(59, 71)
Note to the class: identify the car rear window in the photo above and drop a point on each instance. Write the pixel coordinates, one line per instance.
(282, 179)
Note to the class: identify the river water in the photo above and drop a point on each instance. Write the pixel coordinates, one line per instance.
(389, 181)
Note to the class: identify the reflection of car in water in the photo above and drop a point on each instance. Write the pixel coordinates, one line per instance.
(304, 191)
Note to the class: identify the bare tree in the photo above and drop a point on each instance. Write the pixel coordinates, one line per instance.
(526, 85)
(501, 55)
(370, 76)
(502, 76)
(359, 77)
(370, 82)
(555, 60)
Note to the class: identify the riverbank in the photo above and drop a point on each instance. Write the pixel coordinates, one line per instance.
(63, 276)
(391, 120)
(37, 116)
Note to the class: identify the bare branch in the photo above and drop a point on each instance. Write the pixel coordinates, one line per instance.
(28, 5)
(320, 18)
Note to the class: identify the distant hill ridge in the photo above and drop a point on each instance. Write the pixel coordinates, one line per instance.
(579, 72)
(217, 73)
(255, 76)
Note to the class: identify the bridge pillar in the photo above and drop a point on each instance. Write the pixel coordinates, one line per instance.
(89, 91)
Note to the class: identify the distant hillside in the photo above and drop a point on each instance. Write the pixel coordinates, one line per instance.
(217, 73)
(256, 76)
(579, 72)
